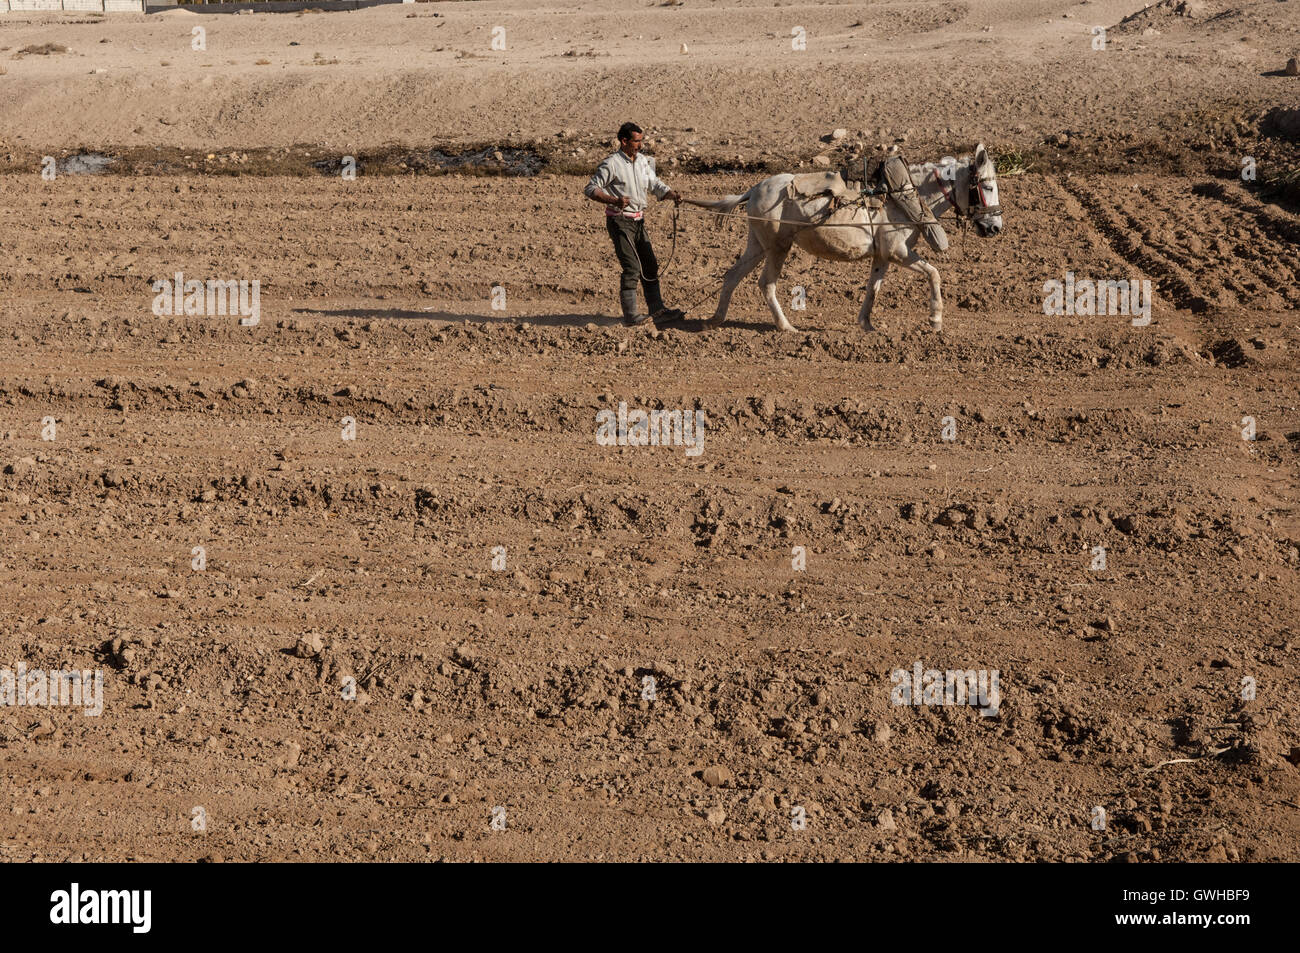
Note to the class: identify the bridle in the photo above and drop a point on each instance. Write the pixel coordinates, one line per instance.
(976, 206)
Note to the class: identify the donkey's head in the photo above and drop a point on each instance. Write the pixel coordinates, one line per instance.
(978, 181)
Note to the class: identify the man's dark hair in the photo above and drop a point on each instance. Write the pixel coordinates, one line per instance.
(625, 131)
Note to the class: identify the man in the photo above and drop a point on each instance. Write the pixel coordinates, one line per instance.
(621, 183)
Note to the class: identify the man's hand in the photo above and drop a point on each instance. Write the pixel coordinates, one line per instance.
(607, 198)
(675, 196)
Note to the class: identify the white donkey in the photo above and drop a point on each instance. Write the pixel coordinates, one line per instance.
(778, 219)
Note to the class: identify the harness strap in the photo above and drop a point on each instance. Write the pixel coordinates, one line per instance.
(946, 194)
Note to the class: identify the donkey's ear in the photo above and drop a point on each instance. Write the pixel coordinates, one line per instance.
(981, 154)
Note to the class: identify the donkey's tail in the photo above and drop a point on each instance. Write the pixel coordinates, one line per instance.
(723, 206)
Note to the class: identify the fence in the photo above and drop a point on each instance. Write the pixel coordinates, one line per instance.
(72, 6)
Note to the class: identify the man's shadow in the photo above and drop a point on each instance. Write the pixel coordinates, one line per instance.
(687, 325)
(404, 314)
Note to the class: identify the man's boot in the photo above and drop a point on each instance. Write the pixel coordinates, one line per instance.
(654, 302)
(628, 301)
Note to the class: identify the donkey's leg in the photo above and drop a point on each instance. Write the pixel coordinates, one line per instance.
(746, 263)
(915, 262)
(771, 274)
(878, 270)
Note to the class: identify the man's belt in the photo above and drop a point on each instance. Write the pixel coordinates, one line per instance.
(619, 213)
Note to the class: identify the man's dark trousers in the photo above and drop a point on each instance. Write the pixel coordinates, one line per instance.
(632, 245)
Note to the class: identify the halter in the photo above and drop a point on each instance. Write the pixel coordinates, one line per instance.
(975, 204)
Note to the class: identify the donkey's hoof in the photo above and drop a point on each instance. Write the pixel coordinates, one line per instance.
(936, 324)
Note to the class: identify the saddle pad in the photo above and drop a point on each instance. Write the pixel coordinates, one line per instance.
(809, 184)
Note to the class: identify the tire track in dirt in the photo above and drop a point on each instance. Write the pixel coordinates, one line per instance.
(1241, 253)
(1282, 226)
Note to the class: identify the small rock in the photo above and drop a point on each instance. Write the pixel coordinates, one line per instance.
(290, 753)
(717, 775)
(885, 820)
(1292, 67)
(716, 816)
(952, 516)
(309, 646)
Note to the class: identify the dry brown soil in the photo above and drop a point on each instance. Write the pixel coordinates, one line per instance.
(1121, 688)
